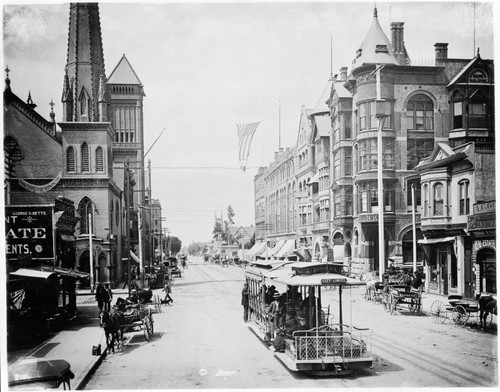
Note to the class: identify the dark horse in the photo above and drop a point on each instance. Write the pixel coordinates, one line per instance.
(487, 305)
(112, 324)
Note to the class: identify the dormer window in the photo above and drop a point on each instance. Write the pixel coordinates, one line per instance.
(381, 49)
(478, 76)
(358, 53)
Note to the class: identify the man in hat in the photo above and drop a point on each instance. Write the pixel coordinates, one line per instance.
(244, 301)
(273, 314)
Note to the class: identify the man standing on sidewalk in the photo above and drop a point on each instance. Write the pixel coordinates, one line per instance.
(108, 297)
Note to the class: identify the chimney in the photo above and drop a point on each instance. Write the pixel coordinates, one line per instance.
(343, 73)
(276, 155)
(397, 29)
(441, 51)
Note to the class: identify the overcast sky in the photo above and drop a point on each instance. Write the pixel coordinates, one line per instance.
(208, 67)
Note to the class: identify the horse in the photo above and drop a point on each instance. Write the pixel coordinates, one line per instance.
(487, 305)
(112, 325)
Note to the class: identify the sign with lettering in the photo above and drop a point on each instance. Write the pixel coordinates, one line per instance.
(481, 221)
(477, 245)
(484, 208)
(333, 281)
(29, 232)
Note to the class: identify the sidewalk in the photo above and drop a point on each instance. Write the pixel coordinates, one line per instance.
(74, 343)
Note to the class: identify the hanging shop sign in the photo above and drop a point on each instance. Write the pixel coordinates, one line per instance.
(29, 232)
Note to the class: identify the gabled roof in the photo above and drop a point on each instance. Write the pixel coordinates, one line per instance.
(321, 106)
(443, 155)
(305, 124)
(123, 73)
(474, 62)
(376, 47)
(323, 126)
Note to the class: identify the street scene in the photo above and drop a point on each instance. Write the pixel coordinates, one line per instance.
(249, 195)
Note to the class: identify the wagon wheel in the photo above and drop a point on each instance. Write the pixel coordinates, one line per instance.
(438, 312)
(460, 315)
(393, 303)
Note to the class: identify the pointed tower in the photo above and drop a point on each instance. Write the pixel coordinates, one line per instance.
(376, 47)
(85, 64)
(126, 93)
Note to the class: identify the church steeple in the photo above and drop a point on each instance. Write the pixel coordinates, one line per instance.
(85, 64)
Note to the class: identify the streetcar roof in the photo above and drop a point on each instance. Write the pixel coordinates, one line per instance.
(310, 274)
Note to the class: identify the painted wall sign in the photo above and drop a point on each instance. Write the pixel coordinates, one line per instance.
(29, 232)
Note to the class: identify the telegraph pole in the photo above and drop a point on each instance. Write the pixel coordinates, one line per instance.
(127, 221)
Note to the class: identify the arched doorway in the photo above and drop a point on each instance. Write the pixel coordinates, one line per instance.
(84, 266)
(102, 278)
(487, 271)
(407, 244)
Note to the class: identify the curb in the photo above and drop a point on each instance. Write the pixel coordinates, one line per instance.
(89, 371)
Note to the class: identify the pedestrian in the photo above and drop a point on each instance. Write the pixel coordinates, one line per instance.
(167, 289)
(99, 296)
(273, 315)
(108, 298)
(244, 302)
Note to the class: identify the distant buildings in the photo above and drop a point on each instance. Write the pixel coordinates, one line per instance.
(438, 139)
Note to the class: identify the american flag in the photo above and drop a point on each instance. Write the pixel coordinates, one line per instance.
(245, 136)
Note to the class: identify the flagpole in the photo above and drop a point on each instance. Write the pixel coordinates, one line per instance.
(279, 125)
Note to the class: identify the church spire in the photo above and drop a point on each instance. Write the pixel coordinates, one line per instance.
(85, 63)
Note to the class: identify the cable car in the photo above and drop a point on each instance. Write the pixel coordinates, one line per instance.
(320, 347)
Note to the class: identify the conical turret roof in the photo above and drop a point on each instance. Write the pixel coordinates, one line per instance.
(376, 47)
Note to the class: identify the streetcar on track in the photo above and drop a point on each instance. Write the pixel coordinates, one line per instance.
(320, 346)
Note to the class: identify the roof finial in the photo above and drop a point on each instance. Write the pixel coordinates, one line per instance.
(478, 51)
(7, 80)
(30, 101)
(52, 114)
(375, 11)
(331, 55)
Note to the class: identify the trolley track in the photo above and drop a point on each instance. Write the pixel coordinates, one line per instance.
(451, 373)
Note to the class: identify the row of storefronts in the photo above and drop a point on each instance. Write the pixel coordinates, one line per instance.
(438, 180)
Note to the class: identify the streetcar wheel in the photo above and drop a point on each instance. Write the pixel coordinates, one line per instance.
(460, 315)
(438, 312)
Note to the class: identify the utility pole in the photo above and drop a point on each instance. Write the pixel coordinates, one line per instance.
(126, 187)
(91, 252)
(151, 233)
(380, 115)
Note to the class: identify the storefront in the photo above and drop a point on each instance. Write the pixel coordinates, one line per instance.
(482, 228)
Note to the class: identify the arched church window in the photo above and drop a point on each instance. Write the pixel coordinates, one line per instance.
(85, 208)
(85, 157)
(99, 160)
(70, 159)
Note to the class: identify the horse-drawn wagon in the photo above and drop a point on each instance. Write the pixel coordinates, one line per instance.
(405, 296)
(460, 310)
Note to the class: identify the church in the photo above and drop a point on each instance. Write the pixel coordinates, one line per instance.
(91, 161)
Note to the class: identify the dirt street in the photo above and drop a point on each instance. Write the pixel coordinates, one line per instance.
(201, 341)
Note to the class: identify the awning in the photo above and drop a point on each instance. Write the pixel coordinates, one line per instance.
(338, 253)
(288, 247)
(68, 238)
(427, 241)
(262, 251)
(31, 273)
(134, 257)
(276, 248)
(253, 249)
(314, 178)
(67, 272)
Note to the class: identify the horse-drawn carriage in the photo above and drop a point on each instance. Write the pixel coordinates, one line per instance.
(460, 310)
(404, 296)
(172, 264)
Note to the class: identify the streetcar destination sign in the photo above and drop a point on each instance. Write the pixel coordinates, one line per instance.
(29, 232)
(333, 281)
